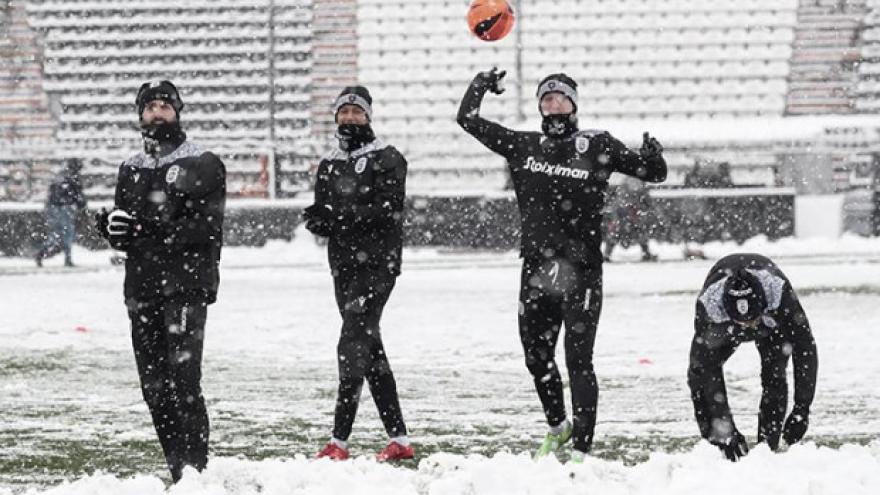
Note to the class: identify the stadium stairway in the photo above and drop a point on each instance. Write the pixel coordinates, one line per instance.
(825, 57)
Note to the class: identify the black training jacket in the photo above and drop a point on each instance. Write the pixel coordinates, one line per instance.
(560, 184)
(365, 190)
(178, 203)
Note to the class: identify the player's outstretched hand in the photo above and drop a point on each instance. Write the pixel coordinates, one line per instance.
(494, 79)
(734, 447)
(795, 426)
(651, 148)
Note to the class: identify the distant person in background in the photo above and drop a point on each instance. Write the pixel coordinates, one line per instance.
(706, 174)
(698, 212)
(627, 220)
(694, 177)
(693, 210)
(724, 178)
(63, 205)
(360, 193)
(747, 298)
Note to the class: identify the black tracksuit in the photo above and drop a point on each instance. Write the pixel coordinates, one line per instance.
(783, 332)
(67, 190)
(171, 276)
(560, 187)
(362, 194)
(65, 199)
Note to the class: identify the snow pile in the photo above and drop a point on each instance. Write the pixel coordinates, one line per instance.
(451, 331)
(804, 469)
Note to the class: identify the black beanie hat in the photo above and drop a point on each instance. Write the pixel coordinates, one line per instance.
(744, 298)
(158, 90)
(559, 83)
(355, 95)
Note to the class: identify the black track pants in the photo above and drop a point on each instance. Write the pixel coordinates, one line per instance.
(553, 292)
(168, 337)
(361, 294)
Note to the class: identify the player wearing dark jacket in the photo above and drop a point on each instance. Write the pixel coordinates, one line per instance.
(746, 297)
(168, 218)
(359, 201)
(560, 177)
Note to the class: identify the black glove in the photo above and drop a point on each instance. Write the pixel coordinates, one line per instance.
(101, 222)
(120, 224)
(796, 425)
(734, 447)
(651, 148)
(319, 212)
(319, 219)
(493, 79)
(318, 227)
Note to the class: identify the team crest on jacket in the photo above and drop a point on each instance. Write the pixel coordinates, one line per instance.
(171, 175)
(361, 165)
(582, 144)
(742, 305)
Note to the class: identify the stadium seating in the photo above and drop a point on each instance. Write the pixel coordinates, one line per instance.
(97, 53)
(825, 57)
(78, 63)
(869, 68)
(633, 59)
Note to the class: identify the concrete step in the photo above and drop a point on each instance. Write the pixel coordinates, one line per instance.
(826, 55)
(819, 108)
(811, 85)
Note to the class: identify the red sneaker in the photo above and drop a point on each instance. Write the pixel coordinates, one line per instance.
(395, 452)
(333, 451)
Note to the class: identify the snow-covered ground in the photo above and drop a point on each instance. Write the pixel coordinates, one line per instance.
(71, 409)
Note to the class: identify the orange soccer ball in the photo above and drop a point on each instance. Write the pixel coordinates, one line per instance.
(490, 20)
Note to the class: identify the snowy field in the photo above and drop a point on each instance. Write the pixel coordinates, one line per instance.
(73, 421)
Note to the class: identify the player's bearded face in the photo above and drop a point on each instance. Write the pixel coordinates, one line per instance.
(159, 124)
(158, 112)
